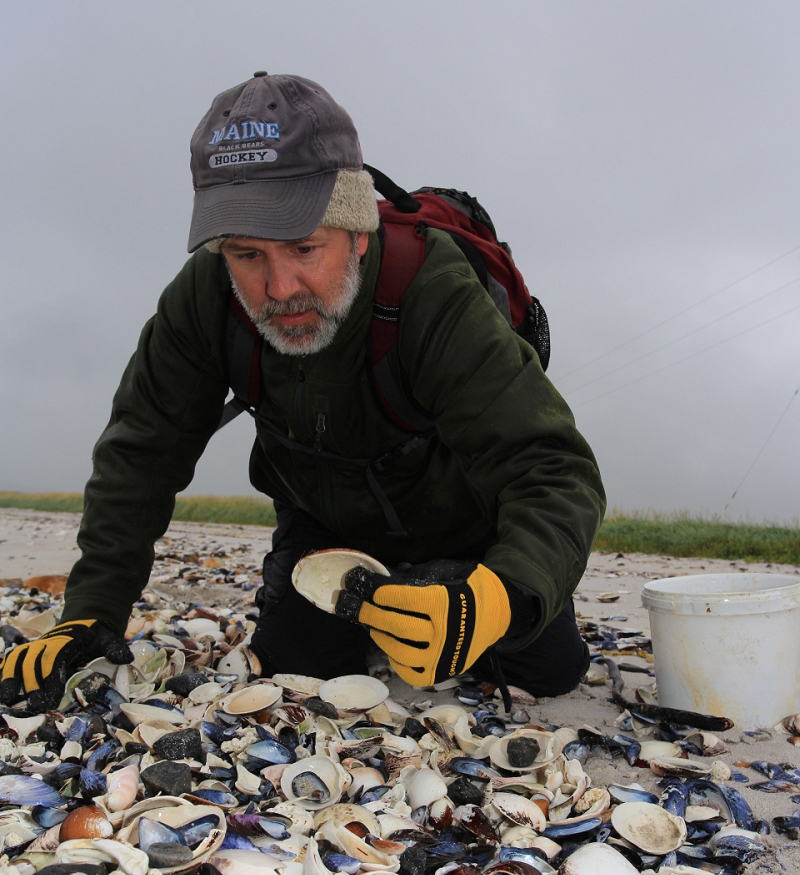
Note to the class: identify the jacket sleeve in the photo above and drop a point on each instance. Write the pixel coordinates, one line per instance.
(166, 408)
(534, 475)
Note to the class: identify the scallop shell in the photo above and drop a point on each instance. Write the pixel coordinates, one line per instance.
(332, 775)
(319, 577)
(252, 699)
(352, 693)
(549, 749)
(649, 827)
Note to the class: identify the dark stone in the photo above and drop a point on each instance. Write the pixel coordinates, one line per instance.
(48, 732)
(87, 690)
(75, 869)
(463, 792)
(120, 720)
(168, 778)
(183, 744)
(522, 752)
(163, 855)
(183, 684)
(10, 635)
(132, 748)
(321, 707)
(412, 861)
(414, 729)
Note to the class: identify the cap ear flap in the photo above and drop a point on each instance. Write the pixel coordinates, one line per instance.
(353, 205)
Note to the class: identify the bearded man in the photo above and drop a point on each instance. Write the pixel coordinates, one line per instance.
(498, 508)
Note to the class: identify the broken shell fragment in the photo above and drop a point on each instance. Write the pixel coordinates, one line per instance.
(520, 810)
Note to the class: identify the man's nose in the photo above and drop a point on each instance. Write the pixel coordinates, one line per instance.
(282, 280)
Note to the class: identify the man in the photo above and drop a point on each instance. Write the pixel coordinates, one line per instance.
(499, 508)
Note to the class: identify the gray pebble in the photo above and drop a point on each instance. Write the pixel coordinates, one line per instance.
(163, 855)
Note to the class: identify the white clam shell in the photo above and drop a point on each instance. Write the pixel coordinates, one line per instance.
(679, 767)
(445, 714)
(253, 698)
(332, 775)
(299, 685)
(176, 815)
(549, 749)
(349, 843)
(346, 812)
(319, 577)
(130, 860)
(206, 693)
(233, 862)
(649, 827)
(595, 858)
(241, 661)
(354, 692)
(424, 787)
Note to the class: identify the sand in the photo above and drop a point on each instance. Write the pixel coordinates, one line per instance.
(38, 543)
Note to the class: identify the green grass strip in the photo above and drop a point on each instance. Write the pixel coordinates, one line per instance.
(239, 510)
(661, 534)
(709, 539)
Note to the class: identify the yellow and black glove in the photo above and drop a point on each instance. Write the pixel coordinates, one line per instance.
(430, 629)
(40, 669)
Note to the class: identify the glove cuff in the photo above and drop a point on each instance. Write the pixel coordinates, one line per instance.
(493, 608)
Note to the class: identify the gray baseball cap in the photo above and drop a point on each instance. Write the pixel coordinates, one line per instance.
(265, 160)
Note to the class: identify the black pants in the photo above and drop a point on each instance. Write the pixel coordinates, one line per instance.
(292, 636)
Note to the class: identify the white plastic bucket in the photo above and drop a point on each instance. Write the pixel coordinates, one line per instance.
(727, 645)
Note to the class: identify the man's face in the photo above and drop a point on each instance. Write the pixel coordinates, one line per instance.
(297, 292)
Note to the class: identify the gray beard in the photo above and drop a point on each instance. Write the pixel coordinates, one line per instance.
(305, 339)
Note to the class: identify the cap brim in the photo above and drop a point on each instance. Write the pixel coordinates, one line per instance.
(278, 209)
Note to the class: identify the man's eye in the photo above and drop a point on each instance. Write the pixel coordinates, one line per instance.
(305, 250)
(249, 256)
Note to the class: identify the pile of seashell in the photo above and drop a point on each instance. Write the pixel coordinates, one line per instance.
(185, 761)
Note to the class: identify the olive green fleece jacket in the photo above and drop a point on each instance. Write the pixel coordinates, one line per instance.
(506, 457)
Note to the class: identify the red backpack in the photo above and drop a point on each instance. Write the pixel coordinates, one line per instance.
(404, 217)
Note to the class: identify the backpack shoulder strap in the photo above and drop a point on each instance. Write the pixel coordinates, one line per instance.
(243, 359)
(401, 259)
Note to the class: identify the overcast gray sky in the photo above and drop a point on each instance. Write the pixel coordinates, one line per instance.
(640, 157)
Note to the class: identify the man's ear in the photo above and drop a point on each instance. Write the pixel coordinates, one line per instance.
(362, 241)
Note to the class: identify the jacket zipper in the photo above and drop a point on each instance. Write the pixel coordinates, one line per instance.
(298, 396)
(320, 432)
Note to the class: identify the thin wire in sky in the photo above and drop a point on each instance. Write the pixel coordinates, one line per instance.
(684, 336)
(676, 315)
(684, 359)
(758, 455)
